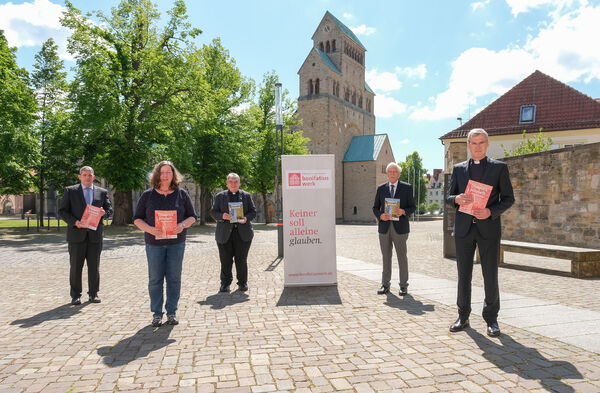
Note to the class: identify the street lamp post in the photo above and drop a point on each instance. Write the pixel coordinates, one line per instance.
(278, 134)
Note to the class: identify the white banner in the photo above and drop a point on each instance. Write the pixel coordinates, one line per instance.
(309, 220)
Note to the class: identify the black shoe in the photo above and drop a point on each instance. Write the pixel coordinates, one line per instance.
(95, 299)
(157, 321)
(224, 288)
(243, 287)
(493, 330)
(383, 290)
(76, 301)
(172, 320)
(403, 291)
(459, 325)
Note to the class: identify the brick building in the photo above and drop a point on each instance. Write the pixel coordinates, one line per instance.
(336, 106)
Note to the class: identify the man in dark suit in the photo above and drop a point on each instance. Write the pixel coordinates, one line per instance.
(233, 238)
(482, 229)
(396, 234)
(84, 244)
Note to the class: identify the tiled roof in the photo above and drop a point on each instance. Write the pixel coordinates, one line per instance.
(328, 61)
(364, 148)
(558, 107)
(346, 30)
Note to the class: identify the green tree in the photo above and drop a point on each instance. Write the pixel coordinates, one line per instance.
(432, 207)
(49, 82)
(529, 145)
(262, 121)
(212, 140)
(414, 174)
(130, 78)
(18, 148)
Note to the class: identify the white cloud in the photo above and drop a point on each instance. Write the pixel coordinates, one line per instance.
(561, 49)
(419, 71)
(388, 106)
(479, 4)
(404, 142)
(348, 15)
(521, 6)
(363, 30)
(385, 81)
(31, 24)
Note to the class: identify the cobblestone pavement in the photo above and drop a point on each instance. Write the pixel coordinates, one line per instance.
(318, 339)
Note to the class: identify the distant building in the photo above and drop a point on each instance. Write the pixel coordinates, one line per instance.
(435, 188)
(538, 103)
(336, 106)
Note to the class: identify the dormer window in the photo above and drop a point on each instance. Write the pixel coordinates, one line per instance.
(527, 115)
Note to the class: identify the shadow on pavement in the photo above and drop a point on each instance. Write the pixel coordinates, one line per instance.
(409, 304)
(273, 265)
(139, 345)
(309, 296)
(513, 357)
(221, 300)
(65, 311)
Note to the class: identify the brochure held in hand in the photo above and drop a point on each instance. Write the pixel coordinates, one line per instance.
(480, 193)
(390, 206)
(167, 220)
(236, 210)
(91, 217)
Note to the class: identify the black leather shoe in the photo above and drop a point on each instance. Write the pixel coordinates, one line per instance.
(224, 288)
(76, 301)
(403, 291)
(383, 290)
(493, 330)
(243, 287)
(459, 325)
(95, 299)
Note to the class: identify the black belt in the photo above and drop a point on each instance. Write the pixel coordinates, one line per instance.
(474, 220)
(235, 226)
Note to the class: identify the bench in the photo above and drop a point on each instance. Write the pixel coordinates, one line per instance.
(585, 262)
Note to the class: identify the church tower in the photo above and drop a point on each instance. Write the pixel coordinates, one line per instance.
(335, 102)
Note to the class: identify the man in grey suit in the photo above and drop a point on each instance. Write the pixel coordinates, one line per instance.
(84, 244)
(394, 233)
(233, 238)
(482, 229)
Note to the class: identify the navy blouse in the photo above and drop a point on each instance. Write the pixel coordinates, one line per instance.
(151, 200)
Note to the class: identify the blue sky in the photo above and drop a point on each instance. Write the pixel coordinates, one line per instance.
(428, 61)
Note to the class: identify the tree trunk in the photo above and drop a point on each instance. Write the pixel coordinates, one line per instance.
(123, 209)
(265, 207)
(205, 204)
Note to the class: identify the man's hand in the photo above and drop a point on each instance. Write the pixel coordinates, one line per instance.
(243, 220)
(157, 232)
(384, 217)
(178, 228)
(482, 214)
(78, 224)
(226, 216)
(463, 199)
(399, 211)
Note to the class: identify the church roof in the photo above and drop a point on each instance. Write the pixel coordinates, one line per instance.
(364, 148)
(346, 30)
(368, 88)
(328, 61)
(558, 107)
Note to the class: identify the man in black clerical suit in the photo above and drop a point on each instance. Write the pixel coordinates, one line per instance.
(84, 244)
(396, 234)
(482, 229)
(233, 238)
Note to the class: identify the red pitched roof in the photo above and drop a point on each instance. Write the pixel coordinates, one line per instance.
(558, 107)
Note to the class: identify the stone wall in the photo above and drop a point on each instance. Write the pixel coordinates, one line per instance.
(557, 197)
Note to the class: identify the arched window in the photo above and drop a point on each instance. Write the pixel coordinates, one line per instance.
(333, 45)
(317, 86)
(355, 210)
(333, 88)
(354, 97)
(337, 90)
(346, 94)
(327, 47)
(310, 87)
(360, 101)
(321, 46)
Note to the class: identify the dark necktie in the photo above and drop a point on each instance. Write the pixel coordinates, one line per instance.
(392, 191)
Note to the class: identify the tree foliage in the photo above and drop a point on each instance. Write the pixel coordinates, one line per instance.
(130, 78)
(414, 174)
(18, 147)
(529, 145)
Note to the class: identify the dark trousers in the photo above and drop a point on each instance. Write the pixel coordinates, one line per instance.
(489, 250)
(234, 248)
(78, 254)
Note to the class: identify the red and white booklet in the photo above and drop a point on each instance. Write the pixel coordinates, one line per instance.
(167, 220)
(91, 217)
(480, 193)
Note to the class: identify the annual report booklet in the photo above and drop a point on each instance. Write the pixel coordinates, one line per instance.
(480, 193)
(390, 205)
(167, 220)
(91, 217)
(236, 210)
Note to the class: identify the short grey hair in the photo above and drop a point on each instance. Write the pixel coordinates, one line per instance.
(477, 131)
(86, 169)
(393, 165)
(233, 175)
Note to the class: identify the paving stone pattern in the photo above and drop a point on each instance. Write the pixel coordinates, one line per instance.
(315, 339)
